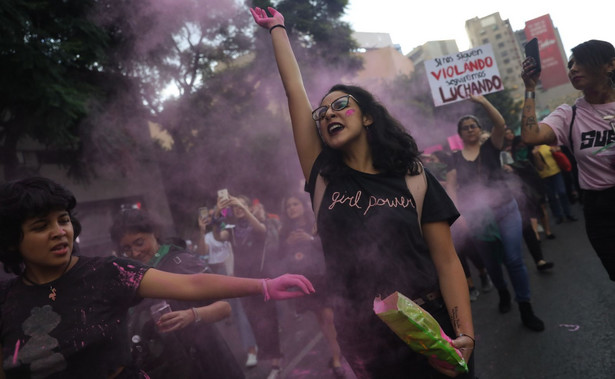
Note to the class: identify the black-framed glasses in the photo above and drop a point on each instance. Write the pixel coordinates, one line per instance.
(337, 105)
(469, 127)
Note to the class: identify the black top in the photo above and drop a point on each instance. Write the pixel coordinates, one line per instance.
(196, 351)
(482, 182)
(80, 334)
(371, 237)
(248, 246)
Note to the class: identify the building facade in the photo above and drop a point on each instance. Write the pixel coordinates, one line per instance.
(492, 29)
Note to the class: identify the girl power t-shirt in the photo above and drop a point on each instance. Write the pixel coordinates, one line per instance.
(371, 236)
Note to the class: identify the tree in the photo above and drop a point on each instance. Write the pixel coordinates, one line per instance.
(63, 82)
(231, 127)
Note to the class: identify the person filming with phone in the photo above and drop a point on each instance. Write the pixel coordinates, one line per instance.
(588, 129)
(248, 236)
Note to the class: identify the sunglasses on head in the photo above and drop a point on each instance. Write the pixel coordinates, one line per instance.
(337, 105)
(469, 127)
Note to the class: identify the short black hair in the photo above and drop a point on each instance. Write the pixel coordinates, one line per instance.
(130, 221)
(22, 200)
(593, 54)
(467, 117)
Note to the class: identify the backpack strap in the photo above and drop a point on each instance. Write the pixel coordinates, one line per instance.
(319, 193)
(574, 115)
(417, 185)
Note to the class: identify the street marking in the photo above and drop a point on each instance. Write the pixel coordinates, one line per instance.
(571, 328)
(295, 361)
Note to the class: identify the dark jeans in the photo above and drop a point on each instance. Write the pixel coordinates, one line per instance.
(558, 198)
(508, 219)
(599, 211)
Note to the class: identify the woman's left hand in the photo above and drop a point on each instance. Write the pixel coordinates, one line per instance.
(287, 286)
(263, 20)
(529, 74)
(465, 345)
(170, 322)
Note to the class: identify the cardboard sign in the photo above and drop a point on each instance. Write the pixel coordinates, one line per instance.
(456, 77)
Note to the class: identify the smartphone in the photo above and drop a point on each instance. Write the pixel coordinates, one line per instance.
(203, 213)
(531, 50)
(223, 194)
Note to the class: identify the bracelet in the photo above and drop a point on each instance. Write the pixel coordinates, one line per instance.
(470, 337)
(197, 316)
(530, 94)
(265, 290)
(277, 26)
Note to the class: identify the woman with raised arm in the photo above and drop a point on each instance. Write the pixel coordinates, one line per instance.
(356, 159)
(588, 129)
(489, 207)
(66, 315)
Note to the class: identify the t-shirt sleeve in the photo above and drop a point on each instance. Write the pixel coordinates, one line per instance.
(559, 121)
(126, 276)
(437, 205)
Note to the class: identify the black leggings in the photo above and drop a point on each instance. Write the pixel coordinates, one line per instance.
(599, 211)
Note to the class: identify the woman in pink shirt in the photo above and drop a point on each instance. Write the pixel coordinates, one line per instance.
(588, 128)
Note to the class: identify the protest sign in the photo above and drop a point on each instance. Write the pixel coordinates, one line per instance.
(456, 77)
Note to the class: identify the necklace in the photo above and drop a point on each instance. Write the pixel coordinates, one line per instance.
(52, 290)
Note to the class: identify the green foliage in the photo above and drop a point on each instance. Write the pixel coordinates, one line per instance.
(58, 75)
(508, 107)
(44, 55)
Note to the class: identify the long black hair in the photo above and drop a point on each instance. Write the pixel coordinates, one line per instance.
(394, 150)
(22, 200)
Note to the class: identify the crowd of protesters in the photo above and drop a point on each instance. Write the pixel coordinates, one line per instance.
(157, 300)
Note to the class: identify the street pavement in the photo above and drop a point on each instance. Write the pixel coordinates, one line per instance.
(576, 300)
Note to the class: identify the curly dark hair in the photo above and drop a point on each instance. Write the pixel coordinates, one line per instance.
(131, 221)
(22, 200)
(394, 150)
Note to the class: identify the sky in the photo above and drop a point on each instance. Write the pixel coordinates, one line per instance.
(412, 23)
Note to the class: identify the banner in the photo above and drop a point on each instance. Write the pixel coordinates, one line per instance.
(554, 66)
(456, 77)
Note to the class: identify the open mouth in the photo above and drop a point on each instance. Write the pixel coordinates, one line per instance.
(60, 248)
(334, 128)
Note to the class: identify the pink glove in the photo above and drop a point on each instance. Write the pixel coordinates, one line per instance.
(262, 19)
(285, 287)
